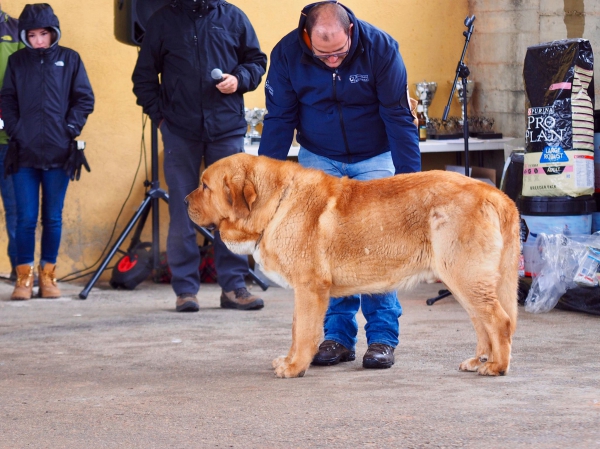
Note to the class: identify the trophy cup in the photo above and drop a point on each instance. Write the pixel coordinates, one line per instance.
(459, 95)
(254, 117)
(425, 92)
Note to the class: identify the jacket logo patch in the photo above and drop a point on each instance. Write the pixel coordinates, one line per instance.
(357, 78)
(268, 87)
(59, 64)
(6, 37)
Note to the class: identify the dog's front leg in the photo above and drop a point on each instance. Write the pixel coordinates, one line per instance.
(286, 359)
(307, 328)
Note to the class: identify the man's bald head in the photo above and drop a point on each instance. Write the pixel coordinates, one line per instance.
(327, 19)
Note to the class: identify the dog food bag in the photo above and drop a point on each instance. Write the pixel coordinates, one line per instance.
(559, 99)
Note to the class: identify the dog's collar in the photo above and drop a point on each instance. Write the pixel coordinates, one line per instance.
(283, 196)
(258, 240)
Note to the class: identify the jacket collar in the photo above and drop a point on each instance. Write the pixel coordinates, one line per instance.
(198, 6)
(41, 52)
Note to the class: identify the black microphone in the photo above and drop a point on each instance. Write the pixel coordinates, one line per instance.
(217, 75)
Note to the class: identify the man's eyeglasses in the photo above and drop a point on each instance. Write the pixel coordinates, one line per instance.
(333, 55)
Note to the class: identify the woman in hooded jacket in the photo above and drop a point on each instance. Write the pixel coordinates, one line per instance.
(46, 98)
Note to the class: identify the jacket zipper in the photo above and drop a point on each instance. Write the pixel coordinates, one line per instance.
(42, 119)
(197, 25)
(339, 106)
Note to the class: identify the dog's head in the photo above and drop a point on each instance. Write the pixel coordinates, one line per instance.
(237, 195)
(226, 192)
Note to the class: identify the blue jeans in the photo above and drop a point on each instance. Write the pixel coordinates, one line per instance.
(381, 310)
(183, 158)
(10, 208)
(27, 182)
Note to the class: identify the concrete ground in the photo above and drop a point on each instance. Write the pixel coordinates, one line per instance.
(123, 370)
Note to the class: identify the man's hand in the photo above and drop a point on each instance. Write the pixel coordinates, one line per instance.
(229, 84)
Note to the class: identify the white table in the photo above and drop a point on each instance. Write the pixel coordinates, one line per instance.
(453, 145)
(253, 149)
(429, 146)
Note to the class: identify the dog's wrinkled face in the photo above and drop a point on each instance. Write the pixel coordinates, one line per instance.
(208, 217)
(225, 194)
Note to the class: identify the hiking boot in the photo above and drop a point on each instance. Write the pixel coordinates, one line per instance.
(187, 303)
(331, 353)
(23, 284)
(240, 299)
(47, 282)
(378, 356)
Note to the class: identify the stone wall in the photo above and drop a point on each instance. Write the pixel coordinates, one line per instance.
(503, 31)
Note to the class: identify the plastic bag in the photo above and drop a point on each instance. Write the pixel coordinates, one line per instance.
(588, 266)
(563, 258)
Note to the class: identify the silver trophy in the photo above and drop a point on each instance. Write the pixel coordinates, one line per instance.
(459, 95)
(254, 117)
(425, 92)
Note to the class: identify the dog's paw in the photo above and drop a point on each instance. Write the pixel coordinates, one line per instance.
(492, 369)
(287, 370)
(471, 365)
(279, 361)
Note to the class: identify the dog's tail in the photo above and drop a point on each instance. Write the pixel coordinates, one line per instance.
(509, 261)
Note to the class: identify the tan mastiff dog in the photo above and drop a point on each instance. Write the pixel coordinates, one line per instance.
(326, 236)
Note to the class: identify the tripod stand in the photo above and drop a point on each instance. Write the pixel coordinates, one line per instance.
(463, 72)
(150, 202)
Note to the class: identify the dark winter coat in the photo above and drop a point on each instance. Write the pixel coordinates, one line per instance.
(350, 113)
(184, 45)
(46, 95)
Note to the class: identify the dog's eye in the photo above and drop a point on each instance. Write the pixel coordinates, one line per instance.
(205, 187)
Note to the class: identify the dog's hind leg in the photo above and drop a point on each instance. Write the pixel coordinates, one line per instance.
(503, 321)
(475, 286)
(484, 347)
(492, 325)
(499, 330)
(310, 306)
(477, 261)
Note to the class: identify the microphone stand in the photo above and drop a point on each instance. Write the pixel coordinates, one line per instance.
(463, 72)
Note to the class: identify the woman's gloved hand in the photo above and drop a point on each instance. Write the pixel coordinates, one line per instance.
(11, 160)
(75, 161)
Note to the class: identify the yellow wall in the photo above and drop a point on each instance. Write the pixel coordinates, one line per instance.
(430, 37)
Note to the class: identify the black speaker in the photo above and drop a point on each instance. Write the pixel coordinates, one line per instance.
(131, 17)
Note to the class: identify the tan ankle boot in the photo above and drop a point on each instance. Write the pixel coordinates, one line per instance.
(23, 284)
(47, 282)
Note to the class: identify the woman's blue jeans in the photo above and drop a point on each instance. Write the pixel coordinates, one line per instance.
(382, 310)
(27, 183)
(10, 208)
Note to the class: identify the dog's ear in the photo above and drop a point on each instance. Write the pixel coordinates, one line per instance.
(241, 195)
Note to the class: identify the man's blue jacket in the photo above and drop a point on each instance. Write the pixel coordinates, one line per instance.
(350, 113)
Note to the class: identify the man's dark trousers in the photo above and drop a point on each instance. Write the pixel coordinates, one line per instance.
(182, 161)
